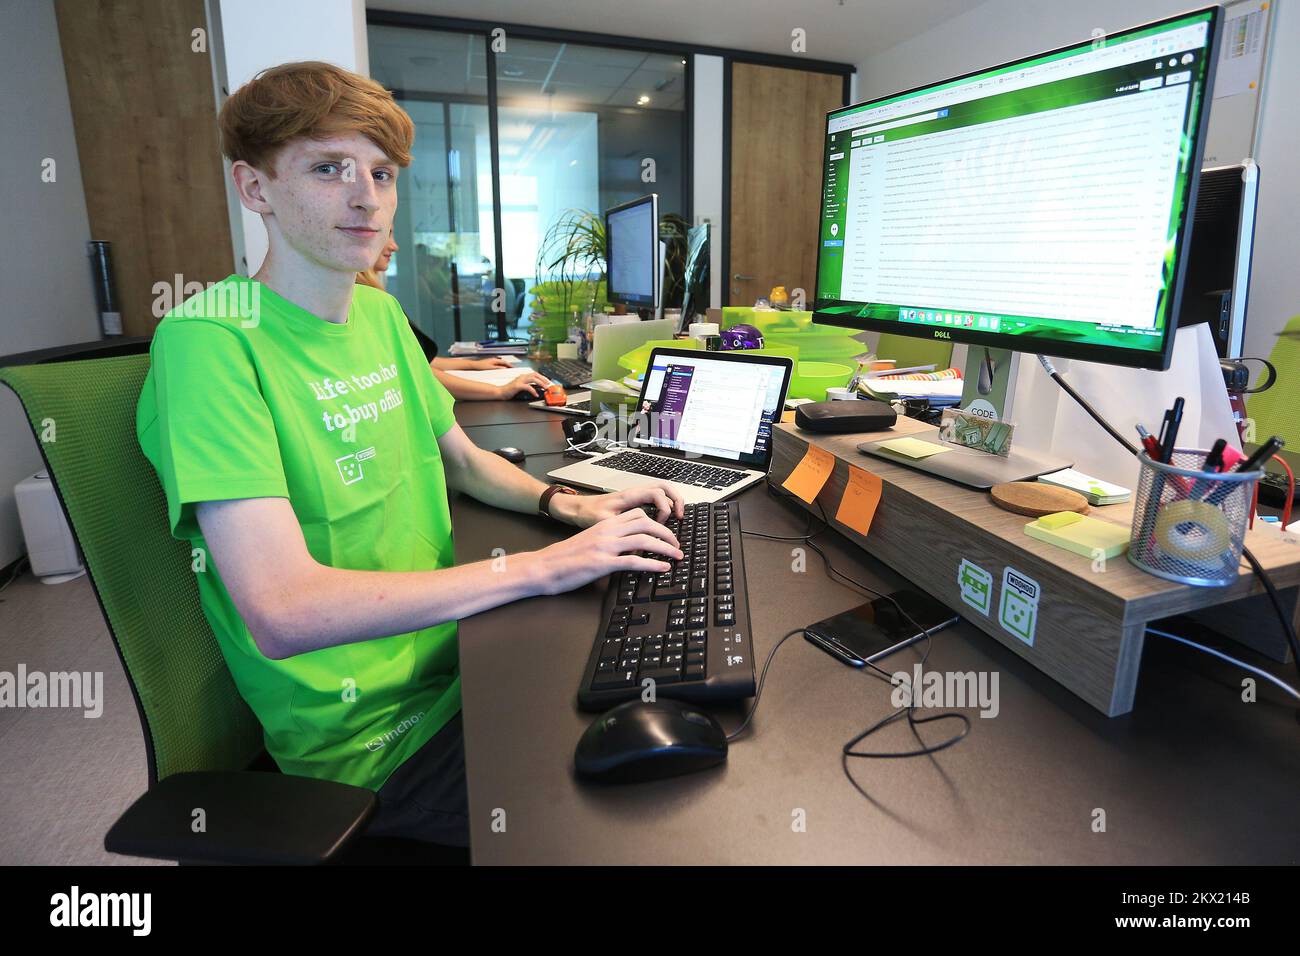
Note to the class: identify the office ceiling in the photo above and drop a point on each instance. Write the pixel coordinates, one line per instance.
(561, 75)
(845, 31)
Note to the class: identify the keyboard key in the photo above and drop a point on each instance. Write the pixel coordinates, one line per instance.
(663, 675)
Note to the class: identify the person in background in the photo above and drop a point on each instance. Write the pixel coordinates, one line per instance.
(528, 382)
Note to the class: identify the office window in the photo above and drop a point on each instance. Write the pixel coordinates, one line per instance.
(576, 125)
(444, 271)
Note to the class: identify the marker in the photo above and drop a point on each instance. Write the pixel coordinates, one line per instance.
(1262, 454)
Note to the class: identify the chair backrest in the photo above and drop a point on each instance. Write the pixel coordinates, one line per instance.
(83, 416)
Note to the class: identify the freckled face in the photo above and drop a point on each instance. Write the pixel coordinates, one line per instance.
(333, 200)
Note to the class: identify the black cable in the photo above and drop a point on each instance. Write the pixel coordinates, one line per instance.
(762, 678)
(1277, 603)
(1096, 416)
(910, 710)
(1255, 566)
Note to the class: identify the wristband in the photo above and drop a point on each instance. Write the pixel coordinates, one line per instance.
(544, 503)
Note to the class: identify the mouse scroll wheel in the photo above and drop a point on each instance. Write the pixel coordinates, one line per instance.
(696, 717)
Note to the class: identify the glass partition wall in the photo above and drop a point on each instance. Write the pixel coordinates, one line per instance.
(509, 140)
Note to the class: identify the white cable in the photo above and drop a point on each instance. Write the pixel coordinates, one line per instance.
(1231, 660)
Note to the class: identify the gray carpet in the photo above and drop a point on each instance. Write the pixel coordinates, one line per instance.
(66, 777)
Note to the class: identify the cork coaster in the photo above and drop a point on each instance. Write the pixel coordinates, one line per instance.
(1035, 499)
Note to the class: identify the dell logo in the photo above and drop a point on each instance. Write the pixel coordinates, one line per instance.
(942, 334)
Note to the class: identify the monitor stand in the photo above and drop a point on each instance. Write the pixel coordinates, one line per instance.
(989, 388)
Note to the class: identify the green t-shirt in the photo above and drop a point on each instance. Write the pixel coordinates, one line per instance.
(250, 396)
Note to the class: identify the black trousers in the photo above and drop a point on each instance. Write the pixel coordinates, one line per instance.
(426, 797)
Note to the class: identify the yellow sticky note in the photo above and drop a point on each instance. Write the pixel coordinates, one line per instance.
(912, 447)
(858, 506)
(810, 474)
(787, 417)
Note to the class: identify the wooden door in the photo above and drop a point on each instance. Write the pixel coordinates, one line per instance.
(778, 127)
(145, 119)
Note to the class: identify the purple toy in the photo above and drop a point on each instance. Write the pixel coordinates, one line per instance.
(742, 337)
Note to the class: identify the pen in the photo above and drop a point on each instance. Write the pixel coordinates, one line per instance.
(1149, 443)
(1171, 435)
(1262, 454)
(1255, 462)
(1213, 462)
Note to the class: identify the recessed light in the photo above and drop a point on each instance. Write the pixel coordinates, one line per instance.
(642, 100)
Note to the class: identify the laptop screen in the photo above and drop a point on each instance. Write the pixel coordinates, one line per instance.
(710, 403)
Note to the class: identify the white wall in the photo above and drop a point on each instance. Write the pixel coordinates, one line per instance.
(706, 170)
(1001, 30)
(49, 298)
(256, 35)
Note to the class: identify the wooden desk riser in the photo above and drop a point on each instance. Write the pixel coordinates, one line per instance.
(1091, 623)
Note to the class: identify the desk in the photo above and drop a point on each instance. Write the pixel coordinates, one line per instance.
(1191, 775)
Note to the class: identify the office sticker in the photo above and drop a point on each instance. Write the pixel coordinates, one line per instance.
(1018, 611)
(976, 586)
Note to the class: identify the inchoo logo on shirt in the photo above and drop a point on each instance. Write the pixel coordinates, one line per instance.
(378, 743)
(350, 465)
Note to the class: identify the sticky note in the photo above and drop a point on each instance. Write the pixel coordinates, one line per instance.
(787, 418)
(1059, 520)
(810, 474)
(912, 447)
(858, 506)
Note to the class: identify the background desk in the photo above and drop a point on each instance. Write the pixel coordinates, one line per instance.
(1192, 775)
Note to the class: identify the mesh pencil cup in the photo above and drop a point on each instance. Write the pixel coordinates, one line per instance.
(1189, 525)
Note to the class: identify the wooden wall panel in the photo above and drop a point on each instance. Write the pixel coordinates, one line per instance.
(145, 119)
(778, 128)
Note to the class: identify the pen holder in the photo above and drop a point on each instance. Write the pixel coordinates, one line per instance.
(1189, 525)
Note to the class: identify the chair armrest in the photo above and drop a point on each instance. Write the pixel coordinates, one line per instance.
(248, 817)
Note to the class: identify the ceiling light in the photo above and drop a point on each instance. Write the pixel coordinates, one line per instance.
(642, 100)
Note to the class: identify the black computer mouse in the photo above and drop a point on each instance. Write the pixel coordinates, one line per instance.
(647, 740)
(510, 453)
(530, 394)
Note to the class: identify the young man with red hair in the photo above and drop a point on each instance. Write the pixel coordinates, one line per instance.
(306, 448)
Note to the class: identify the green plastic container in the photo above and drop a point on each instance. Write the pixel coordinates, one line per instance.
(811, 379)
(816, 343)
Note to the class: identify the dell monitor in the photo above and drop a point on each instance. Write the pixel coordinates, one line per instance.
(632, 253)
(1038, 206)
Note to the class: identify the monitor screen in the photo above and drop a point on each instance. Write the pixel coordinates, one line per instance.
(704, 403)
(695, 295)
(632, 251)
(1039, 206)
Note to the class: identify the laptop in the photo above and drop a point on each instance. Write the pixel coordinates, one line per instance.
(704, 423)
(609, 343)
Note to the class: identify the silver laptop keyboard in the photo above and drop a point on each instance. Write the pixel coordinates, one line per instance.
(673, 469)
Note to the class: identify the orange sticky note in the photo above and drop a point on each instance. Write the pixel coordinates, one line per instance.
(787, 417)
(858, 506)
(810, 474)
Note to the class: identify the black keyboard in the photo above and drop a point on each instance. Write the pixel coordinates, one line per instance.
(680, 470)
(568, 372)
(686, 629)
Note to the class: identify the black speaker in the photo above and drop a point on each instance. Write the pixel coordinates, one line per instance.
(856, 415)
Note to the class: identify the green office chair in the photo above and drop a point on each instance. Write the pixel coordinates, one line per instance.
(214, 794)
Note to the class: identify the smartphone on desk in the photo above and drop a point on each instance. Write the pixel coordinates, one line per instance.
(872, 631)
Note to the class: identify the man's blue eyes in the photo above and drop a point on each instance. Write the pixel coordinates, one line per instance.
(329, 169)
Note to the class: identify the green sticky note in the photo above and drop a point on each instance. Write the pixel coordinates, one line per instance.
(912, 447)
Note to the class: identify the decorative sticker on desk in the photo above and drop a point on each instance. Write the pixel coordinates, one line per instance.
(1018, 611)
(976, 586)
